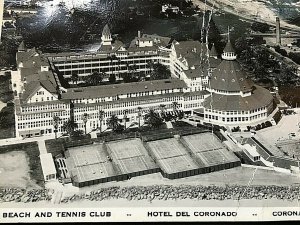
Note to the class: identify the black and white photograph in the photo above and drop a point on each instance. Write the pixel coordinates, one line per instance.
(149, 110)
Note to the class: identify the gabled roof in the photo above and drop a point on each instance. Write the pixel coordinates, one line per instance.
(122, 89)
(229, 76)
(32, 87)
(158, 40)
(185, 48)
(199, 71)
(24, 56)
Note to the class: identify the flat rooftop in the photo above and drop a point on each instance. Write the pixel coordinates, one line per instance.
(130, 156)
(89, 163)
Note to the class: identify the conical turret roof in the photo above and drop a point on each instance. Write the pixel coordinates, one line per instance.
(22, 47)
(229, 76)
(228, 47)
(106, 31)
(213, 51)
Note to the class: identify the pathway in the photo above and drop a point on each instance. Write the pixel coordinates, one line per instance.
(42, 147)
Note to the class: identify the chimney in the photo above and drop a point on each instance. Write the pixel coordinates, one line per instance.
(278, 35)
(139, 34)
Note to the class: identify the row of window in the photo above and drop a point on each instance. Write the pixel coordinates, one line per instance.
(192, 105)
(236, 112)
(42, 99)
(43, 107)
(130, 103)
(43, 115)
(236, 119)
(127, 104)
(35, 124)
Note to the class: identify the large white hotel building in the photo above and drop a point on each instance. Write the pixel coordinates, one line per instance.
(215, 89)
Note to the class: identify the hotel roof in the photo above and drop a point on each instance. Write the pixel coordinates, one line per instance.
(229, 76)
(122, 89)
(260, 97)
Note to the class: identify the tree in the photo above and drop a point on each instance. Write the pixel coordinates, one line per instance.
(153, 119)
(75, 77)
(175, 106)
(160, 72)
(112, 78)
(94, 79)
(125, 118)
(162, 109)
(139, 115)
(77, 133)
(101, 116)
(85, 119)
(260, 27)
(56, 120)
(69, 126)
(113, 123)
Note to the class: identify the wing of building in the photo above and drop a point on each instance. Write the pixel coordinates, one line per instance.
(234, 99)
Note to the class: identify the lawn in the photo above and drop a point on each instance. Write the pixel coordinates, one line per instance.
(7, 122)
(32, 151)
(6, 94)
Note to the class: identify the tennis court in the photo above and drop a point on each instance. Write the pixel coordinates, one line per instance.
(126, 148)
(166, 148)
(202, 142)
(89, 164)
(131, 157)
(217, 157)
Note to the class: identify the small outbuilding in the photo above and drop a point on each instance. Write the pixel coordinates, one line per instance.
(48, 167)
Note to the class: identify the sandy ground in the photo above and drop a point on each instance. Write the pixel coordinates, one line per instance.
(252, 10)
(14, 170)
(123, 203)
(288, 124)
(238, 175)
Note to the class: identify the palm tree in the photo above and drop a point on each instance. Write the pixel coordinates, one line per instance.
(162, 109)
(95, 78)
(113, 122)
(69, 127)
(175, 106)
(85, 119)
(125, 118)
(101, 116)
(110, 58)
(139, 115)
(153, 119)
(56, 120)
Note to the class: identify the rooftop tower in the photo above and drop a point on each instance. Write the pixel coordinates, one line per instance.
(106, 36)
(278, 35)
